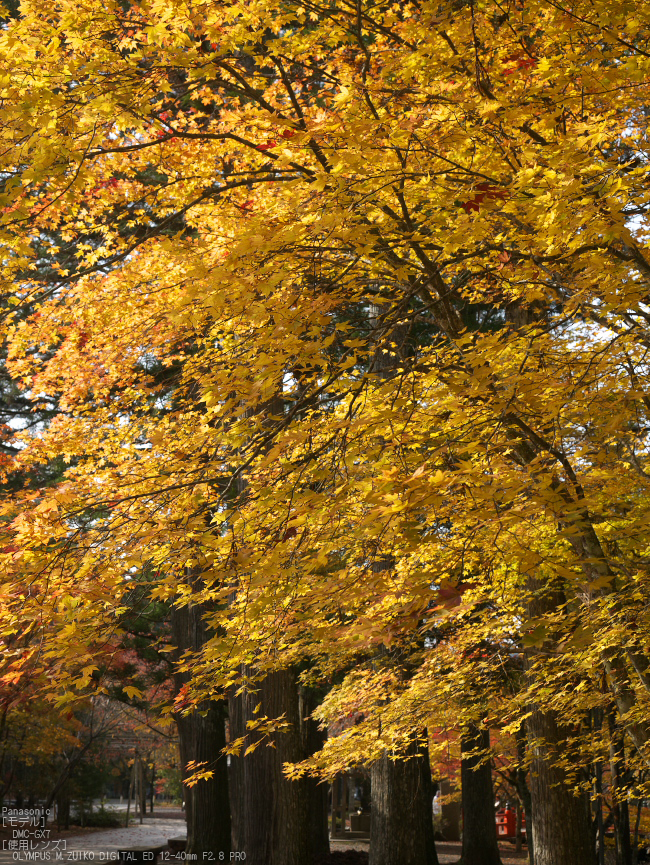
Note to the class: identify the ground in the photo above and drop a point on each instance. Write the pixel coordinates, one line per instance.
(355, 853)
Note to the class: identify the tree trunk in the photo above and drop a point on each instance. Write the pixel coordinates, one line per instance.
(518, 827)
(250, 783)
(142, 788)
(63, 810)
(130, 796)
(560, 820)
(275, 821)
(524, 791)
(202, 736)
(479, 825)
(207, 808)
(313, 740)
(620, 807)
(622, 830)
(401, 814)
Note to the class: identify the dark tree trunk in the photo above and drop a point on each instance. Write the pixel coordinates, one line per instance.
(622, 830)
(292, 842)
(401, 815)
(275, 821)
(142, 788)
(524, 792)
(250, 782)
(620, 807)
(202, 736)
(312, 740)
(63, 810)
(207, 808)
(479, 825)
(560, 821)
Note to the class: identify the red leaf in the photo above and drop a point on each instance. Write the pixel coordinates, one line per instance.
(484, 190)
(522, 60)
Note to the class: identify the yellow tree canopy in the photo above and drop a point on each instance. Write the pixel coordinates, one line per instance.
(346, 308)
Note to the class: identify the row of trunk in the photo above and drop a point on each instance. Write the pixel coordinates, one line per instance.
(250, 807)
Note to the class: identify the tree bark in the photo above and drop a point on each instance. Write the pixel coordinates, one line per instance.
(250, 780)
(401, 814)
(202, 736)
(524, 791)
(276, 821)
(142, 788)
(313, 740)
(479, 825)
(152, 789)
(620, 807)
(560, 820)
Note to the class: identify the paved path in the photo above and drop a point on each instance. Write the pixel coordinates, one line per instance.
(100, 846)
(448, 851)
